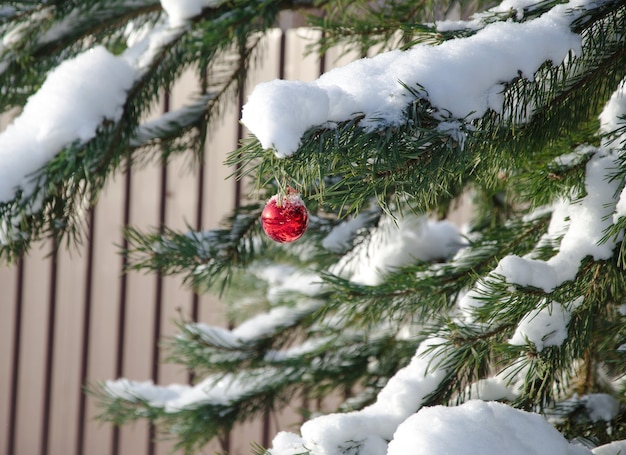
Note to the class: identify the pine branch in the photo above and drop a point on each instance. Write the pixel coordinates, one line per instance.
(194, 415)
(407, 293)
(205, 258)
(417, 158)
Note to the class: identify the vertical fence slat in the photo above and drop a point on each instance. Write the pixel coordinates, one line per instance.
(102, 349)
(180, 214)
(297, 65)
(140, 297)
(85, 340)
(159, 295)
(178, 211)
(66, 388)
(49, 344)
(30, 393)
(9, 352)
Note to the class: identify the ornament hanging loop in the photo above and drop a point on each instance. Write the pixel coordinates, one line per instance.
(285, 191)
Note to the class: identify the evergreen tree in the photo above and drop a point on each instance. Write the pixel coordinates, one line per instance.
(519, 108)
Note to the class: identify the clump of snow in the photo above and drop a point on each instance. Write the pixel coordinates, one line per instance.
(265, 324)
(477, 21)
(478, 427)
(222, 390)
(398, 243)
(146, 46)
(491, 389)
(461, 78)
(179, 11)
(294, 106)
(14, 36)
(74, 100)
(601, 406)
(284, 279)
(543, 327)
(576, 157)
(181, 117)
(339, 238)
(613, 448)
(612, 116)
(306, 347)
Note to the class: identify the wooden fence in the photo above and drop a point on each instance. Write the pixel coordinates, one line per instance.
(73, 317)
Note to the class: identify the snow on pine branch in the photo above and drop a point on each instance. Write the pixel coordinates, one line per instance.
(267, 324)
(584, 221)
(461, 78)
(180, 11)
(488, 428)
(221, 390)
(396, 243)
(75, 99)
(174, 120)
(366, 431)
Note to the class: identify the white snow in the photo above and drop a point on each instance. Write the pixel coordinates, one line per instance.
(462, 78)
(265, 324)
(284, 279)
(398, 243)
(588, 220)
(582, 222)
(369, 429)
(15, 35)
(479, 427)
(477, 21)
(340, 237)
(613, 448)
(146, 46)
(181, 117)
(491, 389)
(74, 100)
(543, 327)
(306, 347)
(612, 118)
(601, 406)
(221, 390)
(179, 11)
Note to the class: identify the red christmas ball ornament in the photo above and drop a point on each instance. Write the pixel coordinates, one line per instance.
(285, 219)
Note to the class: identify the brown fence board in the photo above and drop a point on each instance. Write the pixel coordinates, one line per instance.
(300, 62)
(65, 390)
(102, 327)
(9, 312)
(29, 421)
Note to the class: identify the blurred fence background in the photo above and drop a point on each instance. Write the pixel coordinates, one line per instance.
(72, 317)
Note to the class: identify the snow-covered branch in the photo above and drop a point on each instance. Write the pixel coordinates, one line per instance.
(461, 79)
